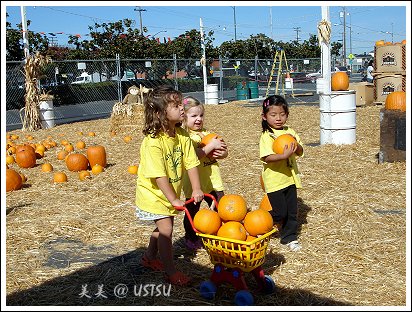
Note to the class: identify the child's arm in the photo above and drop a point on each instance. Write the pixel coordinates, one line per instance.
(287, 152)
(167, 189)
(197, 193)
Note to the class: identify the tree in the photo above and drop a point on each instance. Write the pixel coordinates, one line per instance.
(14, 42)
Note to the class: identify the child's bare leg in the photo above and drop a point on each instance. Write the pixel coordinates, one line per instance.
(152, 249)
(164, 241)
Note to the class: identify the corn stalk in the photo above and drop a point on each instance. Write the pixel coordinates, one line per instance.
(32, 97)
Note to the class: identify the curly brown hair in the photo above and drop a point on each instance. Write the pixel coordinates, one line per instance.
(155, 105)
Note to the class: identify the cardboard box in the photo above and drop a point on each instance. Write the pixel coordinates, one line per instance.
(364, 92)
(390, 59)
(387, 83)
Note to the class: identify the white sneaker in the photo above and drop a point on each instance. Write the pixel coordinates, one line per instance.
(294, 246)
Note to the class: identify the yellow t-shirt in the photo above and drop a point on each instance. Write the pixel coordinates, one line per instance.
(163, 156)
(209, 171)
(279, 174)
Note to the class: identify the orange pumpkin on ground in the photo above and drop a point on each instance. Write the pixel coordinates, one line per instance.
(13, 180)
(26, 157)
(207, 221)
(62, 154)
(77, 162)
(232, 230)
(84, 174)
(133, 169)
(396, 101)
(340, 81)
(97, 169)
(280, 142)
(46, 167)
(258, 222)
(232, 207)
(265, 203)
(59, 177)
(96, 154)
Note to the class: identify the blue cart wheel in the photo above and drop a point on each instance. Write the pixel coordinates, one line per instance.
(269, 285)
(243, 298)
(208, 289)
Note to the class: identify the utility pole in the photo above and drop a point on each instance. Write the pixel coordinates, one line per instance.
(234, 19)
(271, 24)
(203, 59)
(344, 37)
(25, 34)
(297, 29)
(140, 14)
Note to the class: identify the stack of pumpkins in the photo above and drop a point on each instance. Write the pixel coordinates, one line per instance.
(232, 220)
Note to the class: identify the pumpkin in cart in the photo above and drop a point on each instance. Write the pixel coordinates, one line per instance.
(282, 140)
(258, 222)
(232, 207)
(207, 221)
(340, 81)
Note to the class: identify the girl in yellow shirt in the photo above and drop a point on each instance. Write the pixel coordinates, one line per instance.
(209, 172)
(166, 153)
(280, 172)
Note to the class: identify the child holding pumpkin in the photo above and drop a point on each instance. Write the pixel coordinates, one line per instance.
(280, 172)
(166, 152)
(209, 172)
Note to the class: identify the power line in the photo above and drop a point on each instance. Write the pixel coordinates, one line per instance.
(297, 29)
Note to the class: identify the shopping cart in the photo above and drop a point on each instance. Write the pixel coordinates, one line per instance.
(231, 259)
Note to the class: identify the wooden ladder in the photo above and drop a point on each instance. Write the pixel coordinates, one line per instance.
(279, 58)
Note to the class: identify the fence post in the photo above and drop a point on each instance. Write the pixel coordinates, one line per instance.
(256, 67)
(175, 71)
(119, 79)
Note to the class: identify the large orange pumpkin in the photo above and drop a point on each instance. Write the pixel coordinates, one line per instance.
(26, 157)
(280, 142)
(232, 207)
(13, 180)
(265, 203)
(77, 162)
(232, 230)
(396, 100)
(207, 221)
(340, 81)
(258, 222)
(96, 154)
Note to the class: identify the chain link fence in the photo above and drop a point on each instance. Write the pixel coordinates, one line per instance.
(83, 81)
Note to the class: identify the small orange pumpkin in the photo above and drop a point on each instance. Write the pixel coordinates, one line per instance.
(84, 174)
(396, 100)
(265, 203)
(207, 138)
(46, 167)
(97, 169)
(13, 180)
(62, 154)
(77, 162)
(232, 230)
(132, 169)
(258, 222)
(207, 221)
(280, 142)
(96, 154)
(340, 81)
(379, 43)
(232, 207)
(59, 177)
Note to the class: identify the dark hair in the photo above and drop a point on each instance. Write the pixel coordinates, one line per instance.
(273, 100)
(155, 106)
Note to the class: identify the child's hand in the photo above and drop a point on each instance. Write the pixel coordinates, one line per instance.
(177, 203)
(217, 143)
(289, 150)
(197, 196)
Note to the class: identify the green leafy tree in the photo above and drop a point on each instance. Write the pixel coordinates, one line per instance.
(14, 42)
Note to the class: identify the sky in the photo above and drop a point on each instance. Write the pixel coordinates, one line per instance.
(365, 24)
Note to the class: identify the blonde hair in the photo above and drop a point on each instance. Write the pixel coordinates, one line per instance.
(188, 103)
(155, 106)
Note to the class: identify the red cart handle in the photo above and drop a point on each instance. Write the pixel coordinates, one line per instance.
(183, 208)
